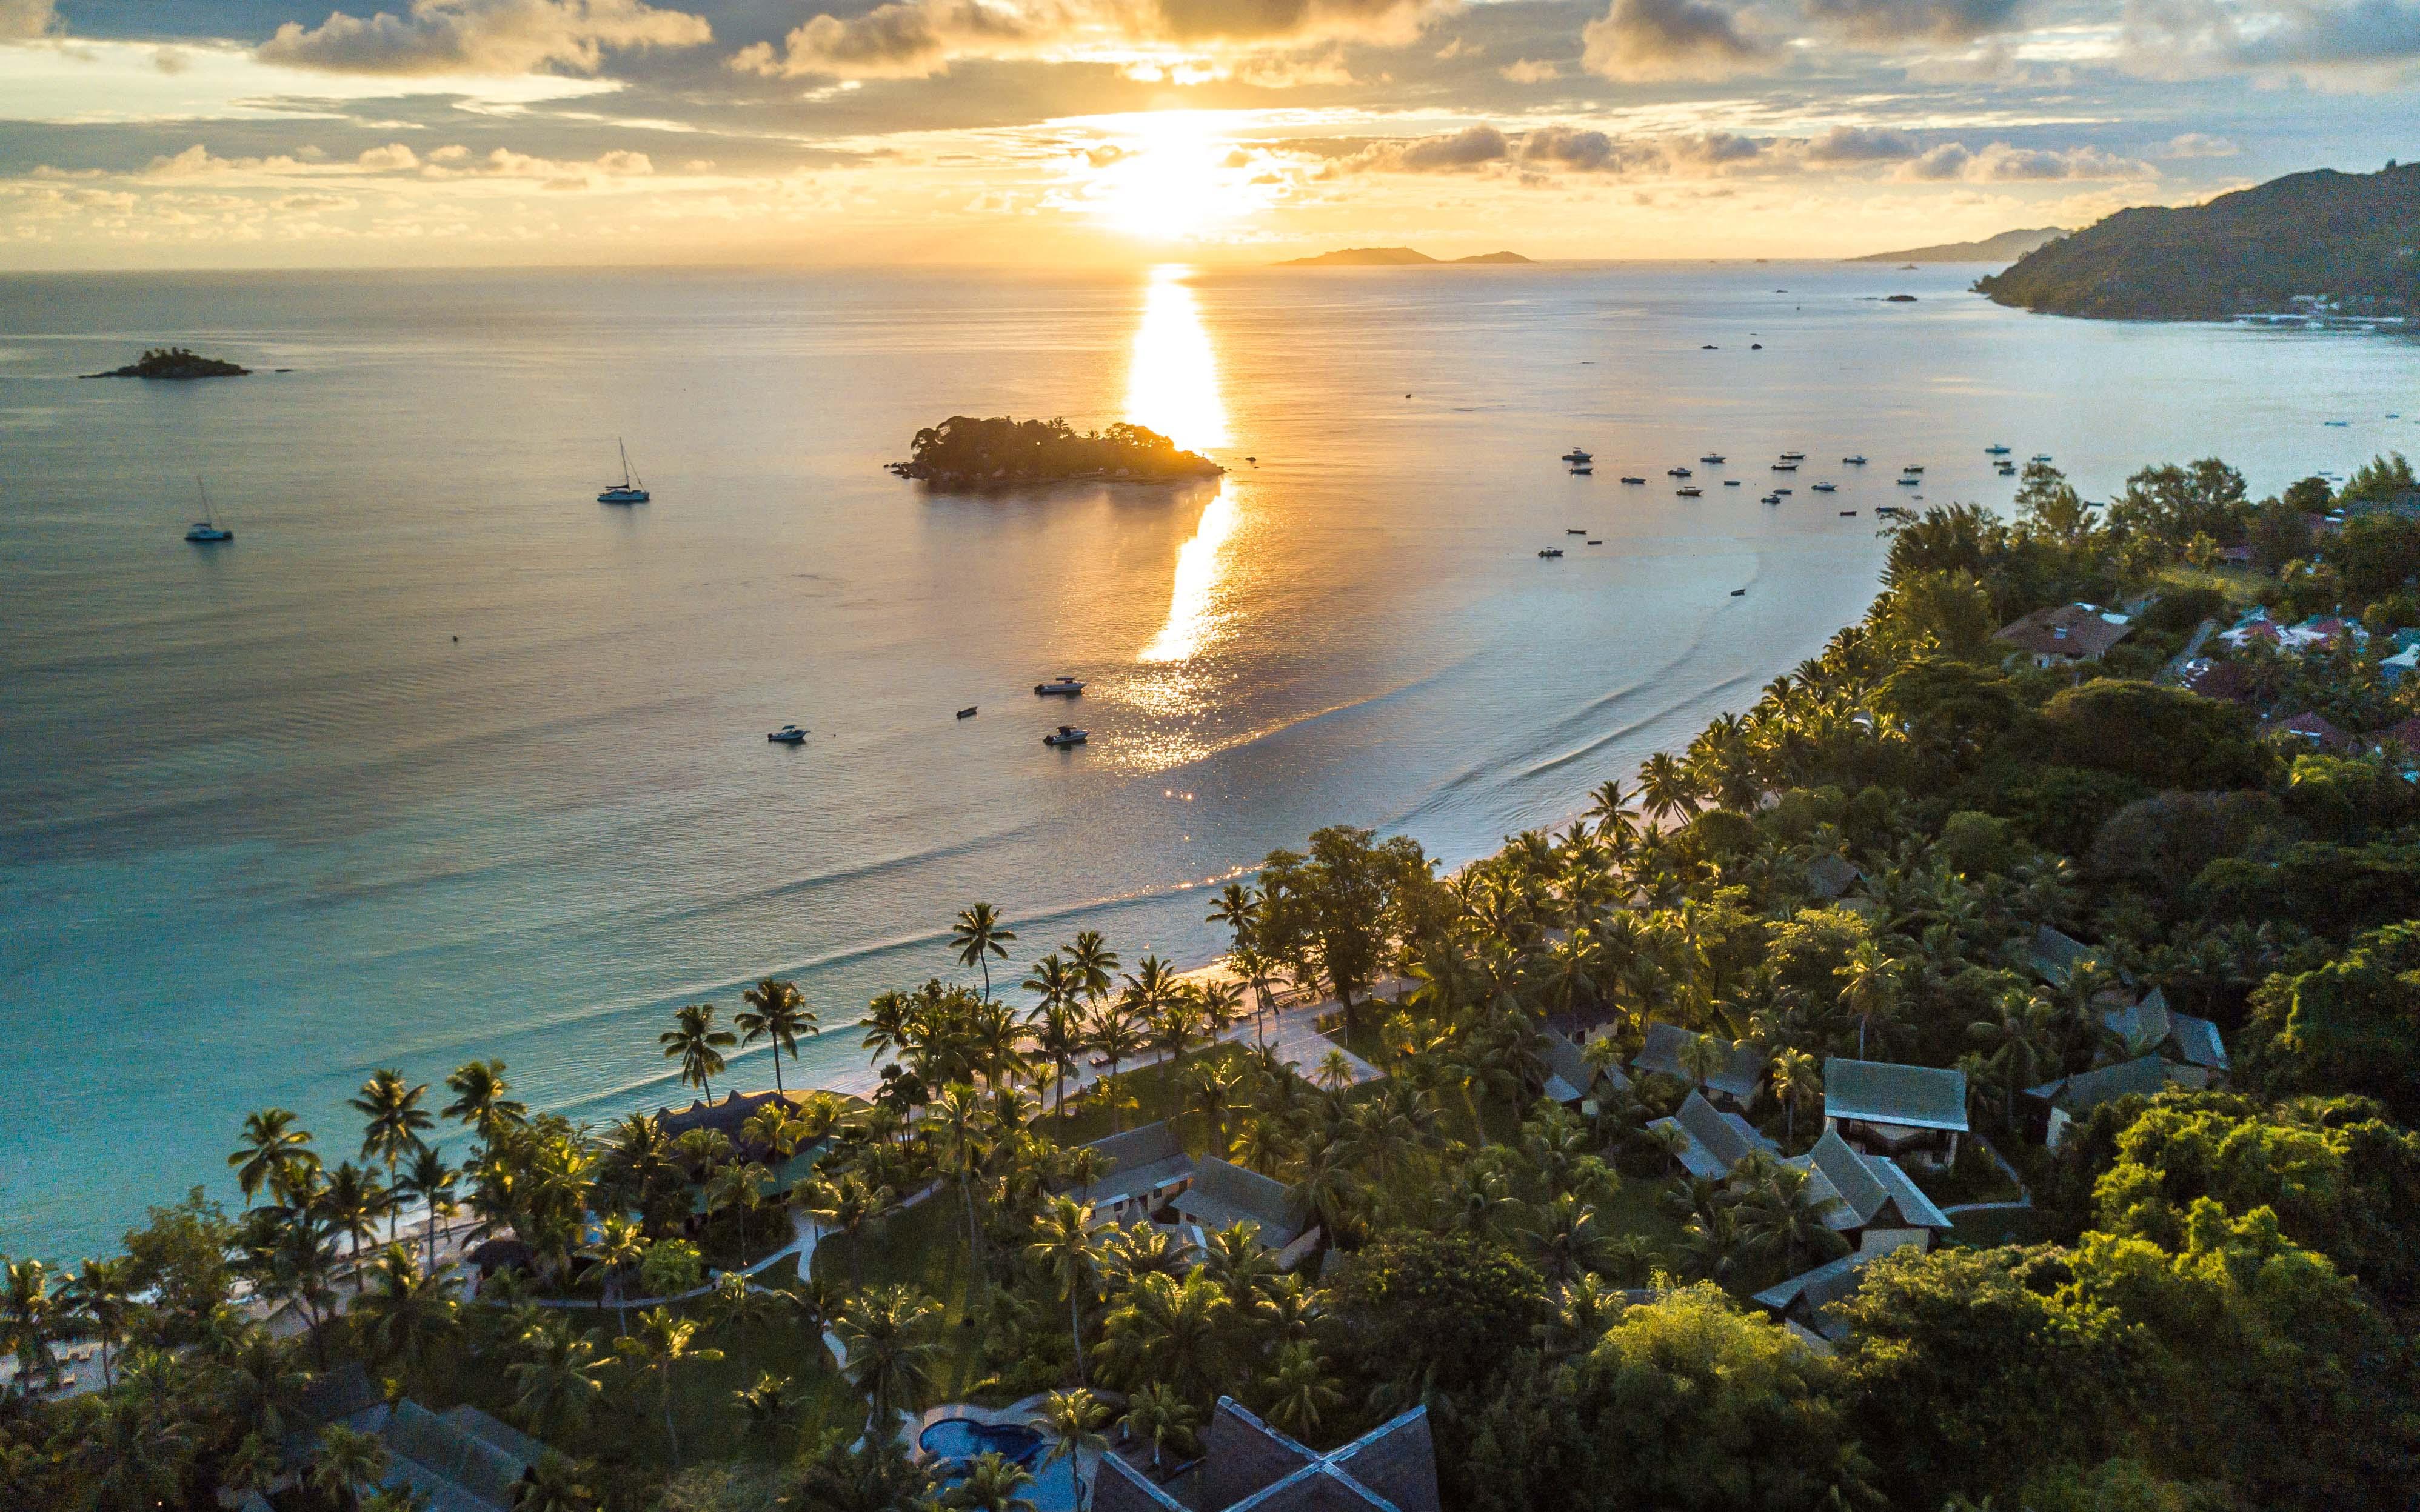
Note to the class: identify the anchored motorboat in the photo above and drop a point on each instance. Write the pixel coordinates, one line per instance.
(1552, 551)
(1739, 592)
(1690, 492)
(1633, 480)
(1676, 473)
(2040, 457)
(1913, 467)
(1570, 531)
(1826, 488)
(1794, 456)
(1575, 454)
(1066, 734)
(1713, 459)
(1063, 686)
(1995, 451)
(1785, 467)
(1852, 461)
(1772, 499)
(1581, 469)
(789, 734)
(1906, 482)
(967, 713)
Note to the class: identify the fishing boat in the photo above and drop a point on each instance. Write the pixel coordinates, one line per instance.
(1905, 482)
(1713, 459)
(967, 713)
(630, 491)
(206, 531)
(1569, 532)
(1848, 514)
(1066, 734)
(1633, 480)
(1772, 499)
(1995, 451)
(1060, 686)
(789, 734)
(1689, 491)
(1552, 551)
(1852, 461)
(1913, 467)
(1826, 488)
(1597, 543)
(1785, 467)
(1794, 456)
(1739, 592)
(1575, 454)
(1581, 469)
(1730, 483)
(2040, 457)
(1676, 473)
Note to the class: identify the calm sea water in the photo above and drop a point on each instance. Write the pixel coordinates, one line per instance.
(441, 759)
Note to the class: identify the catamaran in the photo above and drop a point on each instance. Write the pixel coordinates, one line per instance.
(630, 491)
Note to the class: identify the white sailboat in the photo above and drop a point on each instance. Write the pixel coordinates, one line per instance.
(630, 491)
(206, 531)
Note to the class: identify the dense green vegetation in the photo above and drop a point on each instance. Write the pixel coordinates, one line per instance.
(174, 362)
(963, 450)
(2210, 1304)
(2352, 236)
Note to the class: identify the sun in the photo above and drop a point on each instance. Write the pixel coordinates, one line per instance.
(1170, 175)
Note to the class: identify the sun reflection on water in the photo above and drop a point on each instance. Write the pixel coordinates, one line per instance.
(1173, 388)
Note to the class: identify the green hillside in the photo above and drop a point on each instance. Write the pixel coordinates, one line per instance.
(2348, 235)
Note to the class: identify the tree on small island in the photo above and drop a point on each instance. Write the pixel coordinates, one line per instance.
(175, 363)
(965, 450)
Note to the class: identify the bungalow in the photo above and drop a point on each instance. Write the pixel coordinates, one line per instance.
(2071, 1098)
(1709, 1142)
(2151, 1025)
(459, 1460)
(1141, 1170)
(1830, 877)
(1913, 1111)
(1736, 1083)
(1879, 1208)
(2055, 955)
(1570, 1079)
(1223, 1193)
(2065, 635)
(1805, 1304)
(1248, 1466)
(2392, 670)
(2312, 731)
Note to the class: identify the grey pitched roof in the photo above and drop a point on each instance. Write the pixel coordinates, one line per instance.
(1225, 1193)
(1118, 1487)
(2055, 954)
(1843, 1169)
(1135, 1162)
(1241, 1456)
(1569, 1076)
(1397, 1460)
(2197, 1041)
(1878, 1091)
(1662, 1052)
(1829, 876)
(2152, 1024)
(1919, 1210)
(1869, 1187)
(1248, 1466)
(2086, 1090)
(457, 1469)
(1811, 1293)
(1714, 1141)
(725, 1116)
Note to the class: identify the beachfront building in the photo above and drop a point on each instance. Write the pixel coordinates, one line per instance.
(1707, 1141)
(1248, 1466)
(1913, 1113)
(1224, 1194)
(1733, 1085)
(1141, 1169)
(2069, 1098)
(2065, 635)
(1878, 1208)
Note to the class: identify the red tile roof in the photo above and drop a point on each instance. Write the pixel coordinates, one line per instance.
(2064, 630)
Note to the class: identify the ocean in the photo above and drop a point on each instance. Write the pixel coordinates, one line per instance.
(440, 759)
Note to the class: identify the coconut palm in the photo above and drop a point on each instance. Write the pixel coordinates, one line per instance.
(993, 1483)
(30, 1319)
(2019, 1040)
(1565, 1239)
(617, 1249)
(1335, 1070)
(1214, 1089)
(1869, 987)
(845, 1206)
(275, 1151)
(407, 1311)
(1061, 1041)
(1782, 1216)
(430, 1182)
(698, 1045)
(1665, 788)
(769, 1406)
(1167, 1330)
(482, 1100)
(1094, 963)
(1157, 1412)
(553, 1373)
(738, 1306)
(346, 1460)
(1796, 1078)
(395, 1123)
(978, 937)
(100, 1296)
(894, 1360)
(352, 1202)
(1070, 1422)
(664, 1342)
(130, 1453)
(1156, 998)
(963, 1130)
(1064, 1248)
(1299, 1389)
(776, 1012)
(557, 1483)
(1238, 907)
(1116, 1038)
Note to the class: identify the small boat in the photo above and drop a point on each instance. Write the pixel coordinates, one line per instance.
(1575, 454)
(1852, 461)
(1995, 451)
(1785, 467)
(1739, 592)
(1569, 532)
(2040, 457)
(1794, 456)
(1689, 491)
(1912, 466)
(630, 491)
(2338, 423)
(1772, 499)
(967, 713)
(789, 734)
(1552, 551)
(1730, 483)
(1254, 460)
(1067, 734)
(1756, 345)
(206, 531)
(1785, 493)
(1676, 473)
(1906, 482)
(1597, 543)
(1713, 459)
(1848, 514)
(1709, 346)
(1633, 480)
(1062, 687)
(1581, 469)
(1826, 488)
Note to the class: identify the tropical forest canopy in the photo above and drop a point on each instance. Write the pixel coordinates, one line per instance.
(963, 449)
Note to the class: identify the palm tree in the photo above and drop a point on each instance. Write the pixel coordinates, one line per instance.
(963, 1135)
(352, 1202)
(1238, 907)
(617, 1249)
(1869, 987)
(1795, 1078)
(275, 1153)
(663, 1341)
(698, 1045)
(346, 1459)
(1064, 1248)
(1299, 1389)
(396, 1122)
(1665, 787)
(130, 1453)
(409, 1311)
(978, 936)
(1335, 1070)
(1116, 1038)
(894, 1360)
(1781, 1216)
(29, 1318)
(1071, 1423)
(1154, 999)
(739, 1306)
(1158, 1413)
(992, 1484)
(1167, 1330)
(845, 1206)
(1061, 1041)
(769, 1405)
(429, 1182)
(1094, 963)
(99, 1295)
(557, 1483)
(776, 1011)
(1214, 1088)
(2019, 1040)
(479, 1089)
(553, 1375)
(1565, 1240)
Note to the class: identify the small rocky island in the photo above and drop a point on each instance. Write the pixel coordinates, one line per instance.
(964, 452)
(177, 364)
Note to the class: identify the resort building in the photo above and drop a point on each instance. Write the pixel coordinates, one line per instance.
(1905, 1112)
(2152, 1028)
(2315, 731)
(1141, 1170)
(1805, 1304)
(1224, 1194)
(459, 1461)
(1830, 877)
(1248, 1466)
(1735, 1085)
(1708, 1142)
(1879, 1208)
(1571, 1080)
(2055, 955)
(2065, 635)
(2072, 1098)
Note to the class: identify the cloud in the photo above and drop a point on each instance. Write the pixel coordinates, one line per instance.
(494, 36)
(1465, 148)
(26, 18)
(1652, 39)
(1367, 21)
(1893, 21)
(1860, 144)
(1530, 71)
(903, 39)
(2194, 39)
(393, 158)
(2000, 163)
(2200, 144)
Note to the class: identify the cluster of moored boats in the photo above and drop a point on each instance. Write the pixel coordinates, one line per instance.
(1064, 685)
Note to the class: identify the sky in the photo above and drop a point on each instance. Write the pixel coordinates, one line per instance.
(1071, 133)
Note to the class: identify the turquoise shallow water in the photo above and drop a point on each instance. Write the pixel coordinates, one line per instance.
(266, 824)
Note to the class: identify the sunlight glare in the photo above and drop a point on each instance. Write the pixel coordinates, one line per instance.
(1173, 388)
(1175, 175)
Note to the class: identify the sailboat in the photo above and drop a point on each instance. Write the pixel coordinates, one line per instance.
(206, 531)
(630, 491)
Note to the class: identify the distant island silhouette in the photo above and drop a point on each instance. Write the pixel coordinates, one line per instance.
(174, 364)
(964, 452)
(1395, 258)
(2004, 248)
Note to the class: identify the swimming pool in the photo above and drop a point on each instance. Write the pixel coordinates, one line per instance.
(956, 1441)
